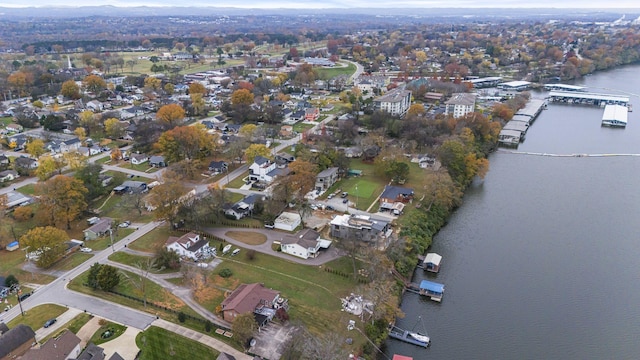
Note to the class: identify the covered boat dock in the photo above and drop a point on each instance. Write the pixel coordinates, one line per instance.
(615, 115)
(433, 290)
(585, 98)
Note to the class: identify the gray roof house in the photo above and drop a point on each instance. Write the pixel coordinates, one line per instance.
(361, 227)
(326, 178)
(98, 229)
(16, 341)
(242, 208)
(157, 161)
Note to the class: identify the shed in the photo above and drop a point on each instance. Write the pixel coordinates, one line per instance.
(13, 246)
(287, 221)
(432, 262)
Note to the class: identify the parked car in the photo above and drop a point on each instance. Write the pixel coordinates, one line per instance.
(86, 250)
(23, 297)
(269, 225)
(313, 207)
(50, 322)
(345, 201)
(329, 207)
(125, 224)
(344, 194)
(330, 196)
(203, 265)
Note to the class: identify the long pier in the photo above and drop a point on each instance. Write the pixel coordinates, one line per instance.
(577, 97)
(564, 155)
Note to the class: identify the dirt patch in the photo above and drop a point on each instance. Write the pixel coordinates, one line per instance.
(247, 237)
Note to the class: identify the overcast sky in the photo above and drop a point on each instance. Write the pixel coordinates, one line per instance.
(315, 4)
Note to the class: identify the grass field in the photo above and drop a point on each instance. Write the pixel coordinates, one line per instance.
(302, 127)
(133, 260)
(28, 189)
(328, 73)
(11, 263)
(157, 343)
(247, 237)
(115, 329)
(369, 185)
(152, 241)
(37, 316)
(239, 181)
(71, 261)
(6, 120)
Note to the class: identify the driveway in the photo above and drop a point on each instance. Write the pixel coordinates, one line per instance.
(272, 235)
(271, 340)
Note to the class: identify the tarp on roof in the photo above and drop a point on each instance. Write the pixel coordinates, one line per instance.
(432, 286)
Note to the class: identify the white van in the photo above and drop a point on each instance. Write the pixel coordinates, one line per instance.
(235, 252)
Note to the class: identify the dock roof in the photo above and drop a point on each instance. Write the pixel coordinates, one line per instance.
(589, 96)
(516, 125)
(432, 286)
(615, 112)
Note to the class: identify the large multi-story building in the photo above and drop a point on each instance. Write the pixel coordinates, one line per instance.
(396, 102)
(460, 104)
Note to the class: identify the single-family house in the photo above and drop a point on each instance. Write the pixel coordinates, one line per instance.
(14, 128)
(15, 198)
(8, 175)
(361, 227)
(394, 198)
(252, 298)
(297, 116)
(242, 208)
(311, 114)
(98, 229)
(130, 187)
(157, 161)
(286, 131)
(69, 145)
(137, 159)
(189, 245)
(261, 168)
(16, 341)
(18, 142)
(95, 106)
(353, 152)
(218, 167)
(326, 178)
(26, 163)
(4, 161)
(284, 159)
(89, 151)
(305, 244)
(63, 347)
(105, 179)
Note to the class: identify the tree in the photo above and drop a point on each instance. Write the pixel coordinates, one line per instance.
(140, 278)
(47, 166)
(170, 114)
(169, 88)
(197, 103)
(303, 176)
(114, 128)
(94, 83)
(248, 131)
(89, 175)
(415, 110)
(47, 242)
(167, 258)
(74, 160)
(243, 327)
(35, 148)
(92, 276)
(241, 97)
(88, 120)
(197, 88)
(256, 150)
(166, 197)
(80, 132)
(11, 281)
(61, 199)
(70, 90)
(108, 277)
(186, 142)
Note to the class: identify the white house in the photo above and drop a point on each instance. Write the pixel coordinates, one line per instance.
(137, 159)
(242, 208)
(307, 243)
(189, 245)
(262, 169)
(287, 221)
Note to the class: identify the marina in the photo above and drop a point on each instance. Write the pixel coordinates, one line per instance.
(587, 98)
(514, 132)
(564, 87)
(615, 116)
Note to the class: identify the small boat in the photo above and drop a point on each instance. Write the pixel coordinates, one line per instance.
(420, 337)
(226, 249)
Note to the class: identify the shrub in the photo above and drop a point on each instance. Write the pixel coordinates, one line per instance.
(182, 317)
(225, 273)
(250, 255)
(23, 213)
(102, 322)
(207, 326)
(10, 281)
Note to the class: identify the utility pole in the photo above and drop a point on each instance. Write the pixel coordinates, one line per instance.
(20, 302)
(111, 236)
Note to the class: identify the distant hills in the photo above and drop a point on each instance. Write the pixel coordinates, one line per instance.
(107, 10)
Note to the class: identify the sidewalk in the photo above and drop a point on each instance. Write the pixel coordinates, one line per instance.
(86, 332)
(201, 338)
(61, 321)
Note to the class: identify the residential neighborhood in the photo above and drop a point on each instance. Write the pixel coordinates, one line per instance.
(229, 191)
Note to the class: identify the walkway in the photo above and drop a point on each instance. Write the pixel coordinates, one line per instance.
(124, 344)
(86, 332)
(182, 293)
(202, 338)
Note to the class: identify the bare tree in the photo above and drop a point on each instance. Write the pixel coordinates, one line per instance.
(141, 276)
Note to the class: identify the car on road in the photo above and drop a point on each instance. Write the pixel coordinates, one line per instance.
(50, 322)
(86, 250)
(345, 201)
(329, 207)
(125, 224)
(23, 297)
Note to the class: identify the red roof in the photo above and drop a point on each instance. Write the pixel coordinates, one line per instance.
(401, 357)
(247, 297)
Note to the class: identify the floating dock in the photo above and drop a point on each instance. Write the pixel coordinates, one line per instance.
(564, 87)
(615, 116)
(515, 130)
(430, 289)
(409, 336)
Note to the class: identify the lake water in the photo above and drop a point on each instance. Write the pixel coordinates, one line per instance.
(542, 260)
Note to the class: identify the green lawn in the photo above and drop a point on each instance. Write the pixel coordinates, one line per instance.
(74, 325)
(328, 73)
(152, 241)
(4, 121)
(11, 263)
(28, 189)
(302, 127)
(369, 185)
(37, 316)
(105, 241)
(239, 181)
(133, 260)
(71, 261)
(157, 343)
(116, 207)
(114, 329)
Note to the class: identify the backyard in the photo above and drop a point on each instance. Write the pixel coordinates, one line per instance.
(157, 343)
(364, 189)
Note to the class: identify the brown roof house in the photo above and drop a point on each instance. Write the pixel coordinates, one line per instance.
(16, 342)
(189, 245)
(253, 298)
